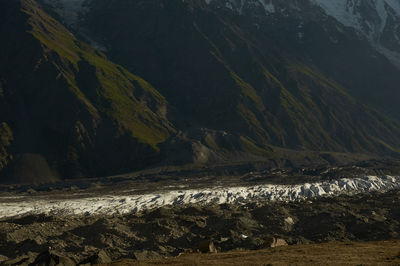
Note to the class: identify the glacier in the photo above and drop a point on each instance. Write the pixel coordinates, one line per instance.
(114, 204)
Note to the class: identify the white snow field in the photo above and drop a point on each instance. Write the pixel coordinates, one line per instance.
(112, 204)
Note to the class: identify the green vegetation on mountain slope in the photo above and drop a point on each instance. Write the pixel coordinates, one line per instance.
(222, 73)
(114, 92)
(69, 103)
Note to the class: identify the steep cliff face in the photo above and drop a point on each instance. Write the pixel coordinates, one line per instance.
(69, 105)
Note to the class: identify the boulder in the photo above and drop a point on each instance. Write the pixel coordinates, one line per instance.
(274, 242)
(146, 255)
(288, 224)
(3, 258)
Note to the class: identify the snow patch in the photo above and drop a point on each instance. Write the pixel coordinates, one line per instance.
(350, 14)
(69, 10)
(268, 6)
(238, 5)
(342, 10)
(370, 19)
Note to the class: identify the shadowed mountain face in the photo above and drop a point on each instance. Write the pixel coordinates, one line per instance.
(237, 87)
(68, 105)
(248, 74)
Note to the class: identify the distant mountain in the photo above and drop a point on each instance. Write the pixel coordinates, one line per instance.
(231, 81)
(377, 20)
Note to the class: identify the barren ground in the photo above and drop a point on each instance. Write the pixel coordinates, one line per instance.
(345, 253)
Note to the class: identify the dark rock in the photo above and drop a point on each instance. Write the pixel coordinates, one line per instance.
(51, 258)
(30, 219)
(207, 247)
(146, 255)
(100, 257)
(22, 260)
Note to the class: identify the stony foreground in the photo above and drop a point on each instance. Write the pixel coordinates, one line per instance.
(169, 231)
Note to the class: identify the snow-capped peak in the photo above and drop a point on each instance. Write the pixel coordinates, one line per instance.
(377, 20)
(370, 17)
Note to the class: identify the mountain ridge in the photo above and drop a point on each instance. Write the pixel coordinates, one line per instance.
(209, 87)
(374, 20)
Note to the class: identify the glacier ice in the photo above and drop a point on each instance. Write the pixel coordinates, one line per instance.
(131, 203)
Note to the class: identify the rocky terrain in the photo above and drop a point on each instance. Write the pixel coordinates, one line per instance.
(153, 214)
(171, 230)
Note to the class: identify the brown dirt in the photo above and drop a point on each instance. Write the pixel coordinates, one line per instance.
(345, 253)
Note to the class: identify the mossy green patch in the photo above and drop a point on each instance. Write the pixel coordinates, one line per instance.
(249, 91)
(210, 141)
(250, 146)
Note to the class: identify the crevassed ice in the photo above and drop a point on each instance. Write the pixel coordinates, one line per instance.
(111, 204)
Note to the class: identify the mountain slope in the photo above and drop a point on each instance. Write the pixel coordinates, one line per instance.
(67, 105)
(224, 73)
(233, 85)
(351, 42)
(355, 43)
